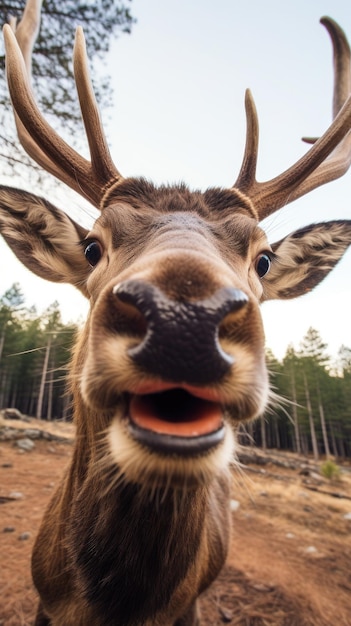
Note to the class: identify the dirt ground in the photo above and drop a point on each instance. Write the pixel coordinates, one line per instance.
(290, 557)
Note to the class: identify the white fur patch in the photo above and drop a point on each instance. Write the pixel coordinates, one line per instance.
(139, 465)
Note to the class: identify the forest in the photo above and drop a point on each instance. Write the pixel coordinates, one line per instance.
(309, 412)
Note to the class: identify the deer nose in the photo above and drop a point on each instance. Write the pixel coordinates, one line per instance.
(181, 341)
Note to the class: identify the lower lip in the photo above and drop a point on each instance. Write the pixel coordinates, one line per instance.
(175, 445)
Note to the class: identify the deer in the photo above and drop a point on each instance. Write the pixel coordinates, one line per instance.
(171, 359)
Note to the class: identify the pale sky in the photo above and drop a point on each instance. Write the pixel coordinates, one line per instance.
(178, 115)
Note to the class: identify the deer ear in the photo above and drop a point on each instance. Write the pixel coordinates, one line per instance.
(304, 258)
(43, 237)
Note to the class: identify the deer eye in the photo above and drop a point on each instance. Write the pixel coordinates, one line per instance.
(262, 265)
(93, 253)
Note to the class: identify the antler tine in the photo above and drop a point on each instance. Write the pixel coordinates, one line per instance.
(27, 31)
(247, 174)
(342, 72)
(30, 117)
(341, 61)
(26, 34)
(38, 138)
(310, 171)
(100, 155)
(340, 160)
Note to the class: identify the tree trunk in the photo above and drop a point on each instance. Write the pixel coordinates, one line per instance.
(43, 379)
(2, 341)
(324, 428)
(250, 431)
(333, 440)
(277, 435)
(50, 390)
(295, 416)
(13, 399)
(311, 422)
(263, 433)
(342, 452)
(32, 403)
(3, 382)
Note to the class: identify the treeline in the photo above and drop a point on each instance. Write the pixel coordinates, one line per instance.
(34, 354)
(310, 410)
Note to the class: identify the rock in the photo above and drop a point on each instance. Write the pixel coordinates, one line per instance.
(247, 456)
(25, 444)
(290, 536)
(9, 529)
(308, 509)
(303, 494)
(311, 550)
(24, 536)
(7, 433)
(317, 478)
(12, 414)
(7, 465)
(32, 433)
(16, 495)
(234, 505)
(347, 516)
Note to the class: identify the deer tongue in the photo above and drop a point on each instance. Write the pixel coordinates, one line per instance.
(175, 412)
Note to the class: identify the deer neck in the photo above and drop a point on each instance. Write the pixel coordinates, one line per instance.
(137, 549)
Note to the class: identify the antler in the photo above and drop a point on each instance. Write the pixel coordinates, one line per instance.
(314, 168)
(41, 142)
(92, 179)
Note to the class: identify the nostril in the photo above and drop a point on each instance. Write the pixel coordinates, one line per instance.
(142, 296)
(233, 315)
(128, 312)
(225, 301)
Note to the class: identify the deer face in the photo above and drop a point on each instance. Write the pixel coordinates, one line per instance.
(175, 348)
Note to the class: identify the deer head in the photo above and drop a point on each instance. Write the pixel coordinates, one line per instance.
(172, 356)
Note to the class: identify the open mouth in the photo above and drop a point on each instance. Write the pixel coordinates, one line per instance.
(176, 421)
